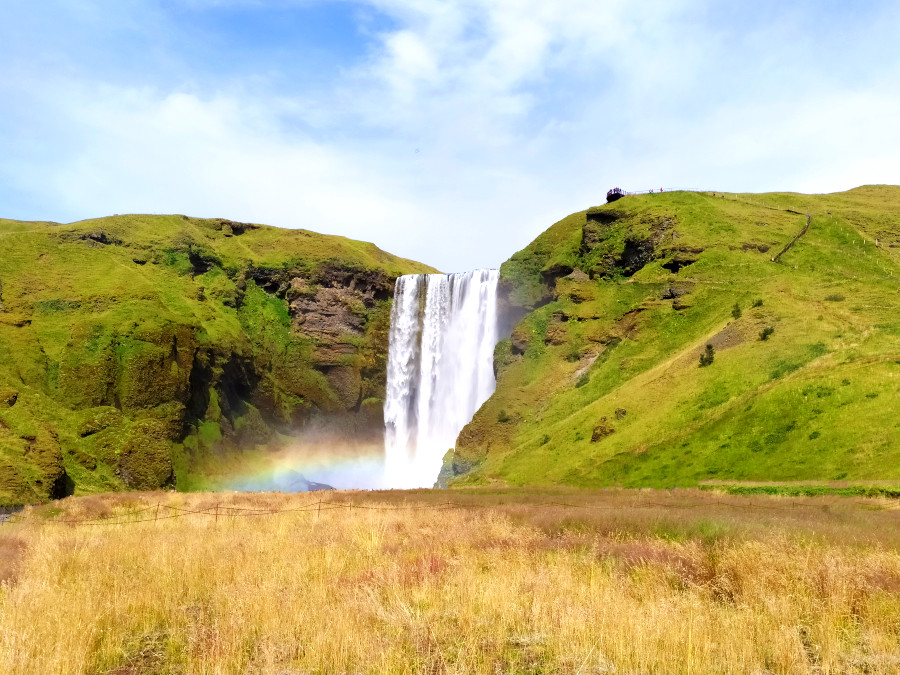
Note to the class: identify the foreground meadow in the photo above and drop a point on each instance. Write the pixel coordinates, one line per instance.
(494, 582)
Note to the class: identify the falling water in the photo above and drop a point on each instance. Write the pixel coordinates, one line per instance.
(440, 368)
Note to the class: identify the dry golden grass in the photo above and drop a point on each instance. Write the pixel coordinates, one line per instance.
(618, 582)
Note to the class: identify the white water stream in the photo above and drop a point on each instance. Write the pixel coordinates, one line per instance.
(440, 368)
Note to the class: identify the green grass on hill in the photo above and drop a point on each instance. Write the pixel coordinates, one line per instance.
(602, 385)
(118, 333)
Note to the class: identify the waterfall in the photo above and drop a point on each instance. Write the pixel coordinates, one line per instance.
(440, 368)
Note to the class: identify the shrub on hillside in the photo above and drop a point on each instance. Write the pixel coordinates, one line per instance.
(765, 333)
(736, 311)
(757, 303)
(601, 431)
(707, 357)
(503, 416)
(583, 380)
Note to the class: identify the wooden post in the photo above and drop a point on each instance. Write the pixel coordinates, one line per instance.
(318, 509)
(217, 513)
(156, 515)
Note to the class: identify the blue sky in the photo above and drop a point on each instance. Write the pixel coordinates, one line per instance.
(448, 132)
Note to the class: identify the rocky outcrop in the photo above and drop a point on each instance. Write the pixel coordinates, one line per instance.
(340, 320)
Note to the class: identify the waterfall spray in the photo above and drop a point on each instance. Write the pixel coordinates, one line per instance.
(440, 368)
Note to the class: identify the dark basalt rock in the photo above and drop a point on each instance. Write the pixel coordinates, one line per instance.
(370, 284)
(93, 238)
(554, 272)
(678, 263)
(638, 250)
(452, 466)
(676, 291)
(101, 237)
(8, 397)
(604, 216)
(518, 342)
(748, 246)
(637, 253)
(202, 261)
(601, 431)
(231, 228)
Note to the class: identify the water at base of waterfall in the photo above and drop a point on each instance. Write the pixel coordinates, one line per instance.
(440, 368)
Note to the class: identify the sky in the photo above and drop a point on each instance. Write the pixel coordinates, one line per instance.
(450, 132)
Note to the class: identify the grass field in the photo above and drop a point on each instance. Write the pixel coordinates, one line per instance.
(553, 581)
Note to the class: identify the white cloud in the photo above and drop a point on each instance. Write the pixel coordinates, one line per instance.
(218, 156)
(467, 127)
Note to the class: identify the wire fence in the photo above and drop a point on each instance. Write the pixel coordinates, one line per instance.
(159, 511)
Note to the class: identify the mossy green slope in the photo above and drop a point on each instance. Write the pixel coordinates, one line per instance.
(130, 341)
(600, 382)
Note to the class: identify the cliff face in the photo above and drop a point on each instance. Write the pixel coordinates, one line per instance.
(610, 309)
(137, 350)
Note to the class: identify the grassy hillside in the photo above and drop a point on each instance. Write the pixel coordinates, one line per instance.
(134, 349)
(600, 382)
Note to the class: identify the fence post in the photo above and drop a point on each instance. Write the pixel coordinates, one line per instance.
(217, 513)
(156, 515)
(351, 506)
(318, 509)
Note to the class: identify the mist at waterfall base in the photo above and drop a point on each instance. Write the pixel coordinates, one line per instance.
(440, 369)
(307, 466)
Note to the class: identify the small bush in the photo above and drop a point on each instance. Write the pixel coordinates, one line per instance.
(736, 311)
(545, 439)
(601, 431)
(583, 380)
(707, 357)
(503, 416)
(814, 435)
(766, 333)
(757, 303)
(834, 297)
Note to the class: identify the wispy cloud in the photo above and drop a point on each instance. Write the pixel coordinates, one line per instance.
(451, 132)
